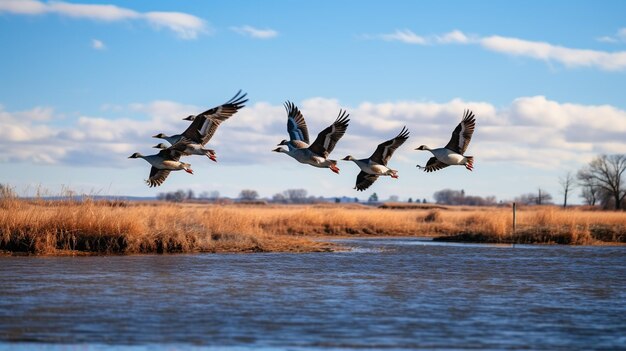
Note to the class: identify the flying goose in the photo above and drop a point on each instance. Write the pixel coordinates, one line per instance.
(376, 165)
(204, 125)
(163, 163)
(188, 149)
(452, 153)
(317, 153)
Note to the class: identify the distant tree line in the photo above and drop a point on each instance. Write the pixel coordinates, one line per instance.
(186, 195)
(296, 196)
(541, 197)
(458, 197)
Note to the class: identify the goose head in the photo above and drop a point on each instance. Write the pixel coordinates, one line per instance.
(160, 146)
(392, 173)
(423, 147)
(283, 142)
(160, 135)
(135, 155)
(279, 149)
(348, 158)
(189, 118)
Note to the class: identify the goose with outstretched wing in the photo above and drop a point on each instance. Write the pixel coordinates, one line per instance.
(317, 153)
(452, 153)
(163, 163)
(204, 125)
(376, 165)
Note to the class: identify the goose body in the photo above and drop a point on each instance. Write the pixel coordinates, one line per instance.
(190, 148)
(376, 165)
(162, 164)
(452, 153)
(304, 155)
(315, 154)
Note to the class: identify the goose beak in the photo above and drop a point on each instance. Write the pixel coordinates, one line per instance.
(189, 170)
(276, 150)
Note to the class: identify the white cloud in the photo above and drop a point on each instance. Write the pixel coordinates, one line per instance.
(456, 36)
(620, 36)
(91, 11)
(608, 61)
(569, 57)
(255, 32)
(408, 37)
(185, 26)
(22, 7)
(405, 36)
(607, 39)
(529, 131)
(97, 44)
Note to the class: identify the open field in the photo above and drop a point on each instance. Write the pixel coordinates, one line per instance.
(104, 227)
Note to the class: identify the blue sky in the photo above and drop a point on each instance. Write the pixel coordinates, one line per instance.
(85, 84)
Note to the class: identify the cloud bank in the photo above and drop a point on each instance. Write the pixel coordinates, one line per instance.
(531, 131)
(569, 57)
(184, 25)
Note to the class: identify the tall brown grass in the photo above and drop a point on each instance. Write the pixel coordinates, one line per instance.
(59, 227)
(56, 227)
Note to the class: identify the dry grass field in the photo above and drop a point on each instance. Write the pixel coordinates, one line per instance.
(105, 227)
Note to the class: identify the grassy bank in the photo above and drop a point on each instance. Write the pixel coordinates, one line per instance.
(61, 227)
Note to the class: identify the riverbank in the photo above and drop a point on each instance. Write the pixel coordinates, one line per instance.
(104, 227)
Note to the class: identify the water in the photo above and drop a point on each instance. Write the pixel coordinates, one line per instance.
(384, 294)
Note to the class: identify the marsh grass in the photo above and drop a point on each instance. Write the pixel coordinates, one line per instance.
(115, 227)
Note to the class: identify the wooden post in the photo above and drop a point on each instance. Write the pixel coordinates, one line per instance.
(514, 219)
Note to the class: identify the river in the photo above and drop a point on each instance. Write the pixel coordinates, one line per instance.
(382, 294)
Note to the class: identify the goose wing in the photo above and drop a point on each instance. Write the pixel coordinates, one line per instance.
(157, 176)
(296, 126)
(364, 180)
(385, 150)
(227, 109)
(433, 164)
(462, 134)
(203, 127)
(328, 138)
(174, 152)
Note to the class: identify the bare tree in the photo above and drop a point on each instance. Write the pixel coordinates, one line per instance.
(248, 195)
(6, 191)
(607, 173)
(567, 184)
(543, 197)
(590, 189)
